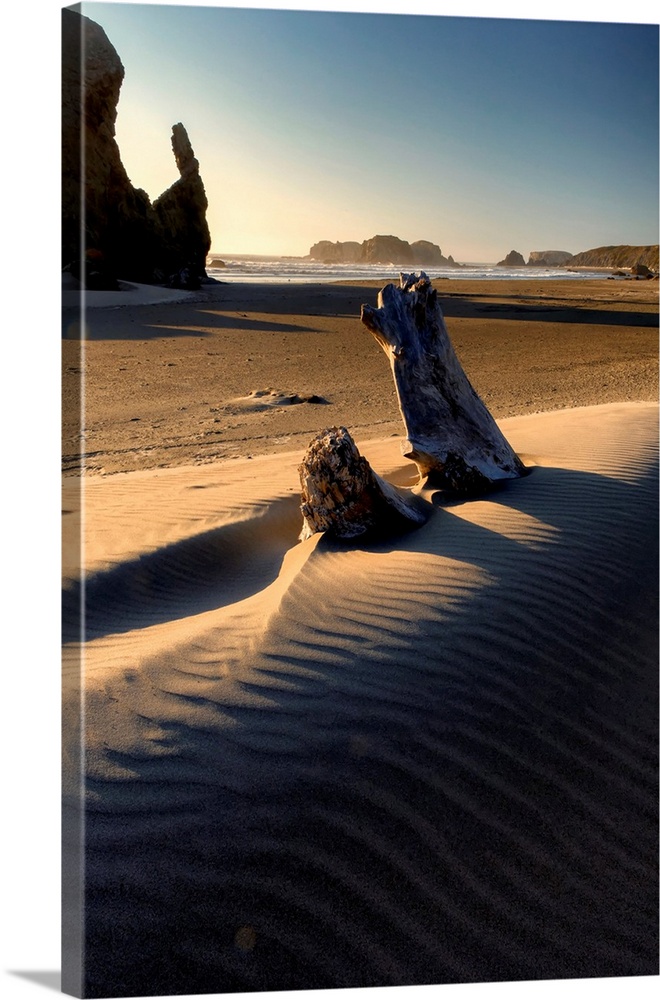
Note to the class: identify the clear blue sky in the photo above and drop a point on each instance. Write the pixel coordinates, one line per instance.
(482, 135)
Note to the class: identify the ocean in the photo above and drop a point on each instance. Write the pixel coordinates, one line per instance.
(296, 269)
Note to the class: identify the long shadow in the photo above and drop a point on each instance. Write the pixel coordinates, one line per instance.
(194, 323)
(511, 296)
(487, 776)
(186, 578)
(210, 570)
(147, 321)
(346, 300)
(306, 301)
(467, 308)
(583, 531)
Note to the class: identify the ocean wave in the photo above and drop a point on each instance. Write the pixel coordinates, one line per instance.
(280, 269)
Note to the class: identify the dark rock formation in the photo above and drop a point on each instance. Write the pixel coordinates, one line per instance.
(119, 226)
(549, 258)
(512, 259)
(382, 250)
(641, 271)
(90, 93)
(386, 250)
(92, 272)
(617, 256)
(427, 254)
(183, 238)
(391, 249)
(336, 253)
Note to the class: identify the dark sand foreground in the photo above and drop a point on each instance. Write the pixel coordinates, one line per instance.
(170, 384)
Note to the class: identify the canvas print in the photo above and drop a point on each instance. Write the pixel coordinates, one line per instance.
(359, 361)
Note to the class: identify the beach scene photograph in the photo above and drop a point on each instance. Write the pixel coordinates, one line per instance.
(359, 384)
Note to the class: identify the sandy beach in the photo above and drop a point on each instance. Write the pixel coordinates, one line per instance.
(313, 764)
(171, 384)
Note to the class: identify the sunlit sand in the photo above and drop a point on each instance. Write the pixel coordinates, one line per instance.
(314, 764)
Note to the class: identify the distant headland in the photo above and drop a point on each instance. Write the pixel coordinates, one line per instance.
(618, 256)
(393, 250)
(644, 257)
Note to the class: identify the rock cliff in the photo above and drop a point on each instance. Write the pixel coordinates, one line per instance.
(336, 253)
(381, 250)
(183, 238)
(512, 259)
(617, 256)
(386, 250)
(425, 252)
(549, 258)
(121, 231)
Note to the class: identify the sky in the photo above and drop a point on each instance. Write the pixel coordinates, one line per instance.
(482, 135)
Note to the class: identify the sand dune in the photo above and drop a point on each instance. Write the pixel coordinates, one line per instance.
(422, 761)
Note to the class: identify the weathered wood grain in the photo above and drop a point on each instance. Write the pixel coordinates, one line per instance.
(451, 435)
(342, 495)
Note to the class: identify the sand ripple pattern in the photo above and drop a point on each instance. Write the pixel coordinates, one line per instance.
(428, 761)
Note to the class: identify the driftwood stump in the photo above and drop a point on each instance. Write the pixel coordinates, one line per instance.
(342, 495)
(451, 435)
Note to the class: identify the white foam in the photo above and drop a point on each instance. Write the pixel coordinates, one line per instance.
(285, 269)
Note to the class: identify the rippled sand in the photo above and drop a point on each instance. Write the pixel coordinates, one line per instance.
(431, 760)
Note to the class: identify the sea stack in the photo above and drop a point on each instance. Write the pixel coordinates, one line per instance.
(122, 232)
(512, 259)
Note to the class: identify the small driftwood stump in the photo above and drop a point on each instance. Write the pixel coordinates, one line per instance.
(451, 435)
(341, 494)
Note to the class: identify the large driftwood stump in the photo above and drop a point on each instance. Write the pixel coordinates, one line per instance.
(451, 435)
(341, 494)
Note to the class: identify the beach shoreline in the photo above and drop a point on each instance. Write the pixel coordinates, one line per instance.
(229, 372)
